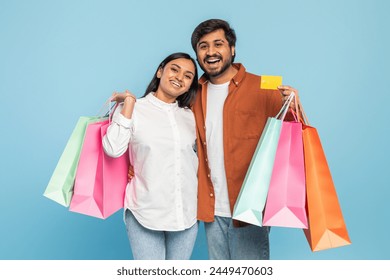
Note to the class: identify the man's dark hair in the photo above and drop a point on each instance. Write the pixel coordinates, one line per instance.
(211, 25)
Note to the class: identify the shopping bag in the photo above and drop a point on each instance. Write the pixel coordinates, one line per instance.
(60, 186)
(251, 199)
(286, 200)
(327, 228)
(101, 180)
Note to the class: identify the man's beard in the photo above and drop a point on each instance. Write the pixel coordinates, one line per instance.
(216, 73)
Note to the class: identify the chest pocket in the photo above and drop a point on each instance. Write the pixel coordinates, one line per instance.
(246, 124)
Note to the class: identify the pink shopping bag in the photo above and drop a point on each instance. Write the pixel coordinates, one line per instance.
(101, 180)
(286, 199)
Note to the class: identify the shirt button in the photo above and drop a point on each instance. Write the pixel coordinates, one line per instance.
(211, 195)
(204, 143)
(208, 175)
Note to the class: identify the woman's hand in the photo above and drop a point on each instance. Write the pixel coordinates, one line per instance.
(128, 99)
(120, 97)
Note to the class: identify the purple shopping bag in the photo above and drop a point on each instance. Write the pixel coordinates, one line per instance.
(101, 180)
(286, 199)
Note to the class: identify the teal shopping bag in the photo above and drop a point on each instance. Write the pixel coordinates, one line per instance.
(60, 186)
(251, 200)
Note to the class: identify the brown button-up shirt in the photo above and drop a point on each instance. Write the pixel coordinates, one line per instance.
(245, 112)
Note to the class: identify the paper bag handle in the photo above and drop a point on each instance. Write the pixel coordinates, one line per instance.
(107, 110)
(303, 116)
(283, 111)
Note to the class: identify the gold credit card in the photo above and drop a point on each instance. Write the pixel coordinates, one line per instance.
(270, 82)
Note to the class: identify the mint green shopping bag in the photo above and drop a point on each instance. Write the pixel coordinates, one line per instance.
(60, 187)
(254, 190)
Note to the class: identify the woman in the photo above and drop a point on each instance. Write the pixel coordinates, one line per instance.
(159, 132)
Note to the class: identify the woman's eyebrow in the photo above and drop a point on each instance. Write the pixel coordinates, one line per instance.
(188, 71)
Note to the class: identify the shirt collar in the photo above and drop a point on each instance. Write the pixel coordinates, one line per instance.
(161, 104)
(236, 79)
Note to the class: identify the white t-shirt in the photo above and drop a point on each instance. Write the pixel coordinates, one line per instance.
(160, 136)
(216, 95)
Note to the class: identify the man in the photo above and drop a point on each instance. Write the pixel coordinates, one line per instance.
(230, 111)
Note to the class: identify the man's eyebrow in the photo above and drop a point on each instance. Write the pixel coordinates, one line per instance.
(216, 40)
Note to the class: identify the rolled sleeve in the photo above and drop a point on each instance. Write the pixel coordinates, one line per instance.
(119, 133)
(123, 121)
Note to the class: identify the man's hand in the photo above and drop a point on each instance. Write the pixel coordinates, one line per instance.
(286, 91)
(130, 173)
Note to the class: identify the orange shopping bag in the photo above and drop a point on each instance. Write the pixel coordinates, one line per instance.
(327, 228)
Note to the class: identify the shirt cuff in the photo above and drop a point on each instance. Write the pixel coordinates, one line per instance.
(123, 121)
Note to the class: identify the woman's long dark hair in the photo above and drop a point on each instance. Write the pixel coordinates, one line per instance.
(185, 100)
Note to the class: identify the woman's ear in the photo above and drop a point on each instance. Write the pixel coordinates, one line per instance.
(159, 73)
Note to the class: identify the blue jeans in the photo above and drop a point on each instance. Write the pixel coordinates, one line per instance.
(149, 244)
(226, 242)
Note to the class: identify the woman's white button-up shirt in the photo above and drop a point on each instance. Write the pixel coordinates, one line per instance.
(160, 139)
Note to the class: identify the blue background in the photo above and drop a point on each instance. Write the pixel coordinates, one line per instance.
(62, 59)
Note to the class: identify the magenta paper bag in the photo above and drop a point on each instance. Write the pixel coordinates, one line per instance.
(286, 200)
(100, 181)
